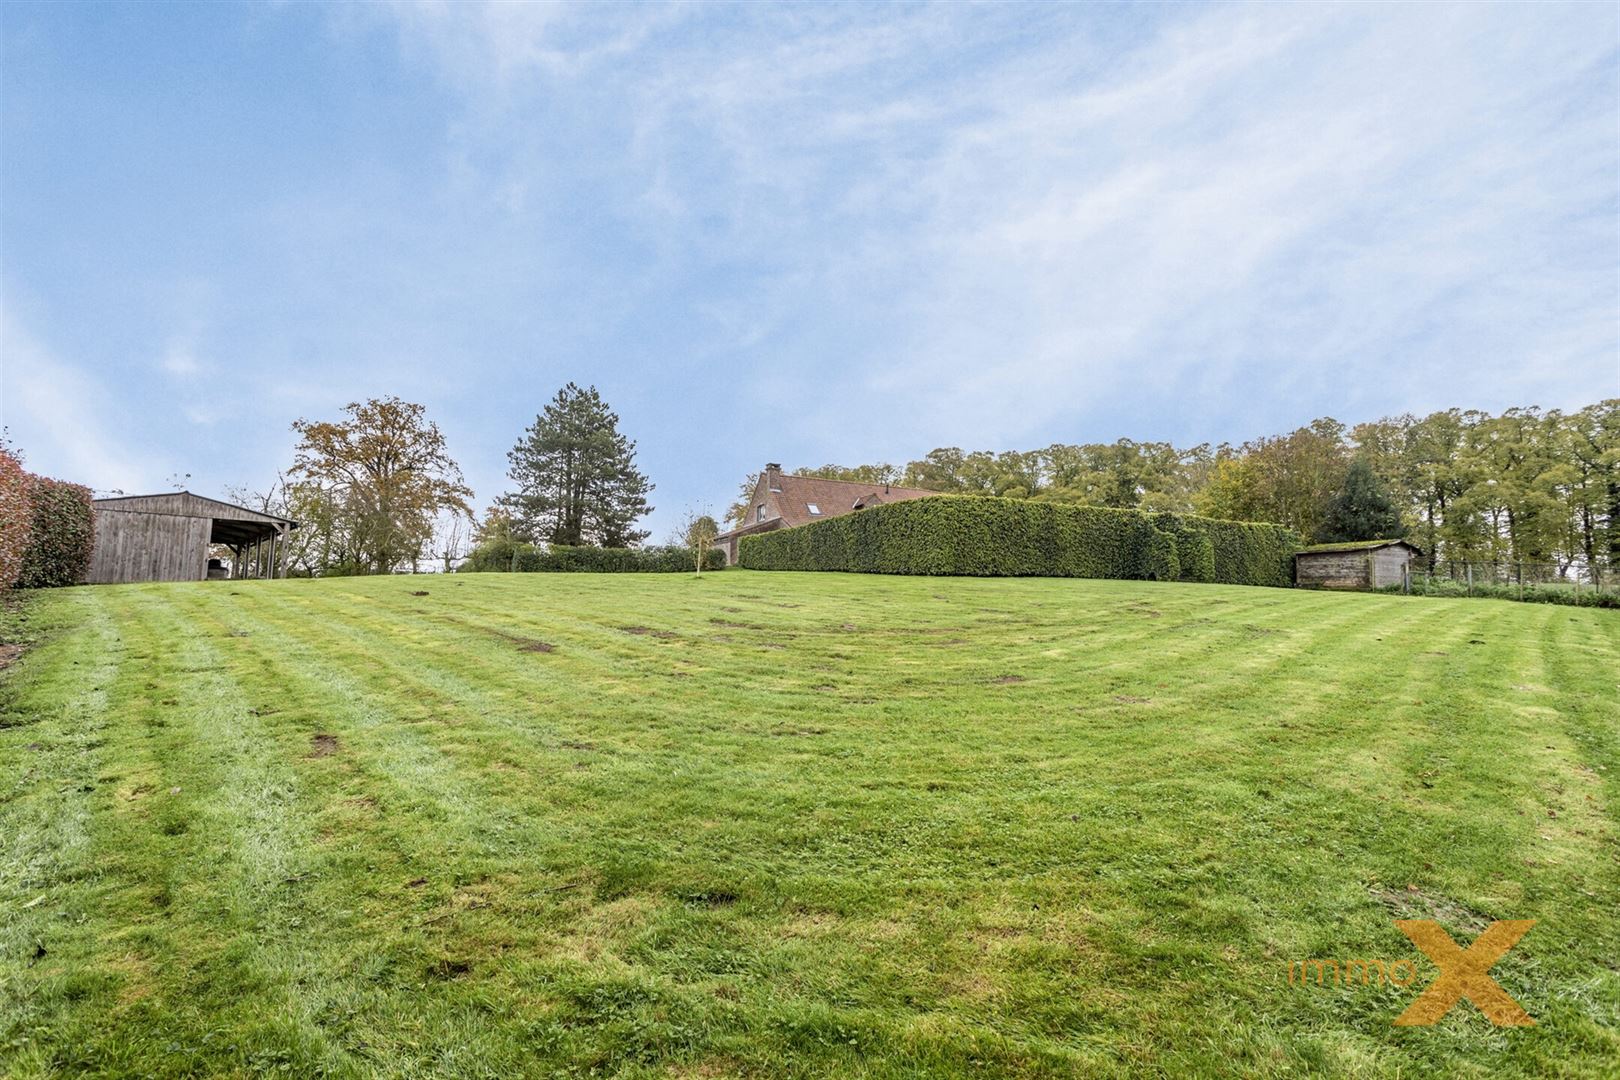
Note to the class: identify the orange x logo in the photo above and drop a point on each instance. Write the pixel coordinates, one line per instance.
(1464, 974)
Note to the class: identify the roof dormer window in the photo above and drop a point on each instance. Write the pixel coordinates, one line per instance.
(814, 509)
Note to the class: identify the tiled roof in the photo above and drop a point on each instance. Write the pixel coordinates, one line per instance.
(834, 497)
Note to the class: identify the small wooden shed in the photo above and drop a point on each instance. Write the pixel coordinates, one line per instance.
(1358, 564)
(167, 537)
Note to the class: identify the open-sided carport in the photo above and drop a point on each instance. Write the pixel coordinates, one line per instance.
(167, 538)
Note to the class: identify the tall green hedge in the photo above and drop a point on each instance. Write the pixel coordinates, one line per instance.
(557, 558)
(62, 534)
(974, 536)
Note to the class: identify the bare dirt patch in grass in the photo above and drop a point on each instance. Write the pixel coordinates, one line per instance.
(647, 631)
(323, 745)
(1008, 680)
(1413, 902)
(9, 654)
(452, 967)
(524, 643)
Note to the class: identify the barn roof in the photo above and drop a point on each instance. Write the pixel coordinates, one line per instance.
(186, 504)
(1358, 545)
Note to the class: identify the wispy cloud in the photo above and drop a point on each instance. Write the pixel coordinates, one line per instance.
(801, 232)
(62, 419)
(1256, 202)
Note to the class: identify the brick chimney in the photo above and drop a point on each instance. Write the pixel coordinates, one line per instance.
(773, 477)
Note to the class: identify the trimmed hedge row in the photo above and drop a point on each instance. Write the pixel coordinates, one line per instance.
(16, 518)
(62, 534)
(47, 528)
(561, 559)
(988, 537)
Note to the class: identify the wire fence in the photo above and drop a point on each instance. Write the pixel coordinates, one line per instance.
(1556, 582)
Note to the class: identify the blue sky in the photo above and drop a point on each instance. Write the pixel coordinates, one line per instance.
(829, 233)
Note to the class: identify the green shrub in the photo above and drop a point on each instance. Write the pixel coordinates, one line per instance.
(1196, 554)
(506, 555)
(1159, 561)
(16, 518)
(496, 556)
(62, 533)
(976, 536)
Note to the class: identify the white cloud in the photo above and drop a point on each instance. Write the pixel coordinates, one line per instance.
(1026, 219)
(494, 46)
(180, 360)
(62, 419)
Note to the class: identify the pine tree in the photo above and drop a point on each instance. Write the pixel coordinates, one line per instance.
(576, 478)
(1362, 510)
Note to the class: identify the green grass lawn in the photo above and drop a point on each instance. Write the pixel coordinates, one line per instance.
(775, 825)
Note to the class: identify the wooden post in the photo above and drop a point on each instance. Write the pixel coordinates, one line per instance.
(1406, 578)
(1470, 578)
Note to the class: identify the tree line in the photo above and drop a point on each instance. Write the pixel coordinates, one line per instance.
(1526, 485)
(376, 491)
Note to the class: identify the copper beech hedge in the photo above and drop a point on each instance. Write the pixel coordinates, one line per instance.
(988, 537)
(16, 518)
(47, 529)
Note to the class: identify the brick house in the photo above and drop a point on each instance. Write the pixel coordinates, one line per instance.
(782, 500)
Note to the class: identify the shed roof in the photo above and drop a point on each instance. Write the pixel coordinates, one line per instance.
(1358, 545)
(187, 504)
(232, 524)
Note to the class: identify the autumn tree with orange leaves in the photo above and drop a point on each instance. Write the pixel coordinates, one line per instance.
(385, 472)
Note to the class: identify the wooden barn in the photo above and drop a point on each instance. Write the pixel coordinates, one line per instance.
(167, 538)
(1358, 564)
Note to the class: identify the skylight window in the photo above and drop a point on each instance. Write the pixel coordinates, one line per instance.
(814, 509)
